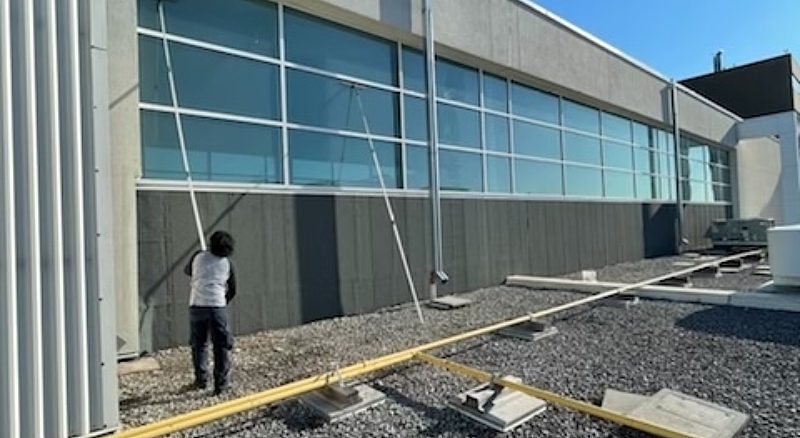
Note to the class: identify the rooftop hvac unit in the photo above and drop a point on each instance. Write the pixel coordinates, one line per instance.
(784, 255)
(751, 232)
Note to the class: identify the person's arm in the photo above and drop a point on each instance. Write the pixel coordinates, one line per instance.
(231, 283)
(188, 268)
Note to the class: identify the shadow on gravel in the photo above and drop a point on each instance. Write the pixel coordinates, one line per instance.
(747, 324)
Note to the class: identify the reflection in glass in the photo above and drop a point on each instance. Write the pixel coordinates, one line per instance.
(332, 160)
(583, 181)
(534, 104)
(457, 82)
(581, 117)
(497, 138)
(495, 93)
(417, 176)
(581, 149)
(498, 174)
(460, 171)
(534, 177)
(616, 127)
(619, 184)
(537, 141)
(459, 126)
(414, 70)
(416, 118)
(617, 155)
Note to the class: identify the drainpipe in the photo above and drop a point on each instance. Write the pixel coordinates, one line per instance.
(681, 239)
(437, 273)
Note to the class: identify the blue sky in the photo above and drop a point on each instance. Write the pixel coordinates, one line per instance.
(678, 38)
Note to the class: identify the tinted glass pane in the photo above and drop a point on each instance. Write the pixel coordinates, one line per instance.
(666, 190)
(616, 127)
(641, 135)
(416, 110)
(722, 193)
(497, 138)
(537, 141)
(457, 82)
(460, 171)
(617, 155)
(696, 171)
(583, 181)
(218, 150)
(218, 82)
(698, 152)
(414, 70)
(417, 175)
(153, 80)
(322, 101)
(498, 174)
(495, 93)
(538, 178)
(577, 116)
(644, 160)
(698, 191)
(459, 126)
(645, 187)
(720, 175)
(666, 142)
(619, 184)
(534, 104)
(581, 149)
(249, 25)
(318, 43)
(331, 160)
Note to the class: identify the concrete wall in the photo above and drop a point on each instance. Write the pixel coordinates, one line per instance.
(123, 65)
(759, 174)
(313, 257)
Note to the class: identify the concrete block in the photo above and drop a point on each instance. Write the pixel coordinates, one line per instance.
(140, 365)
(690, 415)
(333, 404)
(528, 331)
(622, 402)
(449, 302)
(499, 408)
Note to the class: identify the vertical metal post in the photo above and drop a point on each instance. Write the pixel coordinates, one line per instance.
(55, 369)
(433, 150)
(9, 365)
(74, 232)
(29, 280)
(676, 149)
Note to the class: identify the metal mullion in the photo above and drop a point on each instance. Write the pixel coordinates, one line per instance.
(511, 143)
(484, 160)
(74, 221)
(27, 216)
(402, 116)
(340, 77)
(340, 132)
(285, 164)
(207, 46)
(9, 366)
(563, 137)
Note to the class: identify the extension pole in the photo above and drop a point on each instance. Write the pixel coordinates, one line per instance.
(433, 150)
(389, 209)
(179, 127)
(253, 401)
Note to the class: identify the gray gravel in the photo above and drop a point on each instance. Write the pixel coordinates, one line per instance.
(748, 360)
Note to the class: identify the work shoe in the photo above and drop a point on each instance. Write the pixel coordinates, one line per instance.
(198, 384)
(218, 390)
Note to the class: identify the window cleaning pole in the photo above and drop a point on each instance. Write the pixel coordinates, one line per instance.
(389, 209)
(179, 127)
(437, 274)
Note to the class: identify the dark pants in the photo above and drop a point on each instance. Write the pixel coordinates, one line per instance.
(212, 321)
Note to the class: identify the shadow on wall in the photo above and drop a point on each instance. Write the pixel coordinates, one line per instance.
(746, 324)
(397, 13)
(317, 258)
(659, 222)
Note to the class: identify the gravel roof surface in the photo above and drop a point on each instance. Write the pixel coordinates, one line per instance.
(748, 360)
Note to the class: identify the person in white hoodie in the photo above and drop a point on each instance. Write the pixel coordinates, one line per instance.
(213, 286)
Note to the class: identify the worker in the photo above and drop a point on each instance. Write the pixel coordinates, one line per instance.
(213, 286)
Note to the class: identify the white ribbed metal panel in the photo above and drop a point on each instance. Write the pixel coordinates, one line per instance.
(57, 330)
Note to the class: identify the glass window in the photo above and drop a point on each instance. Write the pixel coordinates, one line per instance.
(495, 93)
(581, 149)
(645, 160)
(153, 80)
(534, 104)
(697, 170)
(248, 25)
(333, 160)
(618, 184)
(460, 171)
(218, 150)
(335, 105)
(414, 76)
(417, 173)
(215, 81)
(720, 174)
(584, 118)
(641, 135)
(459, 126)
(722, 193)
(645, 187)
(537, 141)
(697, 191)
(536, 177)
(666, 190)
(319, 43)
(416, 118)
(698, 152)
(583, 181)
(666, 142)
(498, 174)
(617, 155)
(497, 137)
(616, 127)
(457, 82)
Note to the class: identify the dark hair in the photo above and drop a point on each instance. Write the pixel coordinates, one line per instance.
(222, 244)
